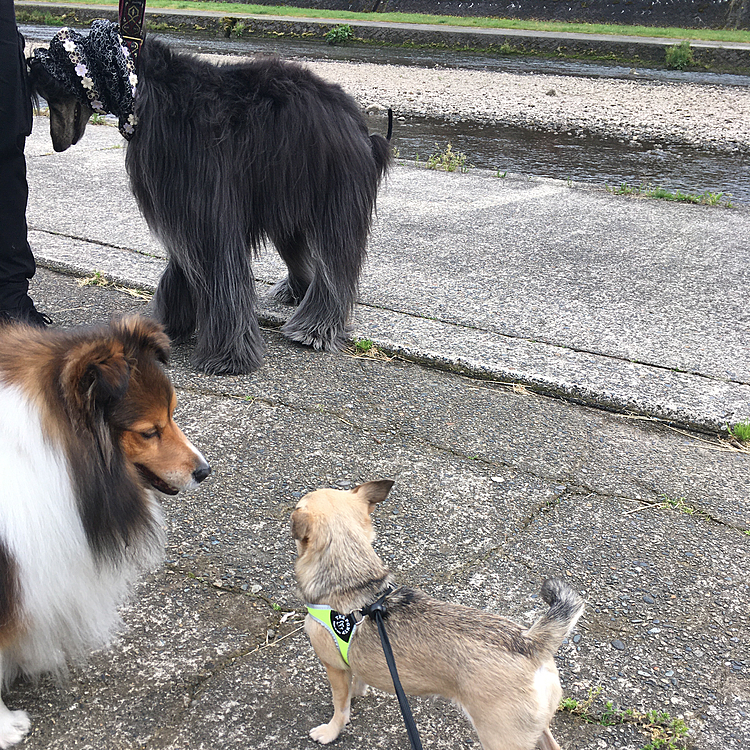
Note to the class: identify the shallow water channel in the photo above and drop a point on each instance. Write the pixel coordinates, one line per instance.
(592, 159)
(579, 158)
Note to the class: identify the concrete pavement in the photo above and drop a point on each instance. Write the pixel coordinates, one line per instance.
(634, 305)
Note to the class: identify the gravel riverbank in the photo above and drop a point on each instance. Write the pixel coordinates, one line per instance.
(705, 116)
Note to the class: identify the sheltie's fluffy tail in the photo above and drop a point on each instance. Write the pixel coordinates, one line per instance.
(565, 607)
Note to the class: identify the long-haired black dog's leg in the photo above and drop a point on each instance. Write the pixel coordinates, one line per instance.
(321, 319)
(296, 254)
(174, 306)
(336, 244)
(229, 337)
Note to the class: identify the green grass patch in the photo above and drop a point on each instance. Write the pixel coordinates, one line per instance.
(679, 56)
(647, 191)
(448, 160)
(340, 34)
(740, 431)
(720, 35)
(45, 18)
(665, 731)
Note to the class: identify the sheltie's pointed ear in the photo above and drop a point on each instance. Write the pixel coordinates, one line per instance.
(141, 334)
(95, 375)
(373, 492)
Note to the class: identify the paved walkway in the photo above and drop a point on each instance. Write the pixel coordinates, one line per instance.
(630, 304)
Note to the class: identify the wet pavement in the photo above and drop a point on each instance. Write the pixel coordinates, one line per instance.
(631, 304)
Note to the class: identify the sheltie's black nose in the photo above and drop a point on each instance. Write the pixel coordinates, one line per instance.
(201, 473)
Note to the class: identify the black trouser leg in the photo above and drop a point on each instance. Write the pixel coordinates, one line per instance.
(16, 260)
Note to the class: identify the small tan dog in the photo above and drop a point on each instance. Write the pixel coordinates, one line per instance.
(502, 675)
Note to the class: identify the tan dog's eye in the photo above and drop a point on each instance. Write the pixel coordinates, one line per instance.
(150, 435)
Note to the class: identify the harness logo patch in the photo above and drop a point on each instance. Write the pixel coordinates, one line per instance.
(342, 626)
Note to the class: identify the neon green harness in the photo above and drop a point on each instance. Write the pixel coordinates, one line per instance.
(341, 627)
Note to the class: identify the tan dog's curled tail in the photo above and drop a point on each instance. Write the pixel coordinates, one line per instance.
(565, 607)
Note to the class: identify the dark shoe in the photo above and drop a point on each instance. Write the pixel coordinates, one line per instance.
(29, 315)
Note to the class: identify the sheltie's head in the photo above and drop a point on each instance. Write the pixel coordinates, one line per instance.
(105, 401)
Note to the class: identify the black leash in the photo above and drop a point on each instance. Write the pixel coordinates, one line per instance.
(375, 611)
(131, 15)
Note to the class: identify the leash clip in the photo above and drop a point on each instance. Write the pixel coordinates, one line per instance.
(379, 605)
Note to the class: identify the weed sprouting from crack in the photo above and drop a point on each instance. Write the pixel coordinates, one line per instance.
(679, 504)
(367, 349)
(227, 588)
(740, 431)
(96, 279)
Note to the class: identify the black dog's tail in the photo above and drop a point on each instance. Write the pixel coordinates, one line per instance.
(565, 607)
(381, 147)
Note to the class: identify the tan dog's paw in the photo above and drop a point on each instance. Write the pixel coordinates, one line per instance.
(325, 733)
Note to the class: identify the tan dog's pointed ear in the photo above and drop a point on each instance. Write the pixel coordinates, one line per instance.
(373, 492)
(301, 524)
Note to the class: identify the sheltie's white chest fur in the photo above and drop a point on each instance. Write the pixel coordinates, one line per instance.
(67, 598)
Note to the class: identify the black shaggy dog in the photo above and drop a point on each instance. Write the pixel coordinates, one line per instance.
(224, 157)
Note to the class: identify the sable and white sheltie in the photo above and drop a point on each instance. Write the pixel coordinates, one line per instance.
(86, 437)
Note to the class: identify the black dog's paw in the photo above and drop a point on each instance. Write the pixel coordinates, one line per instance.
(327, 339)
(222, 365)
(287, 293)
(229, 360)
